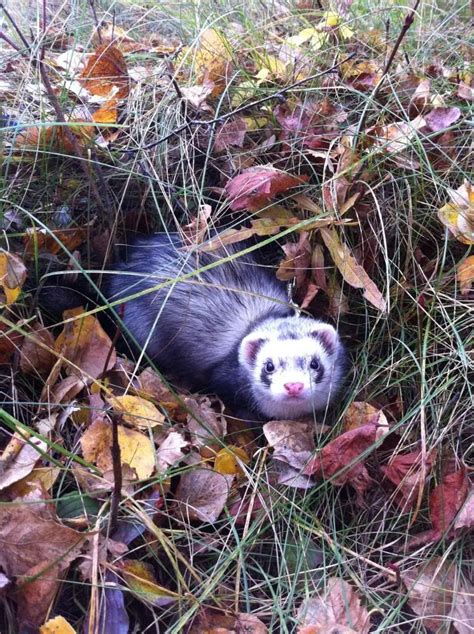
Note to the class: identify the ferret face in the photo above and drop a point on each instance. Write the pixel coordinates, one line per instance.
(293, 366)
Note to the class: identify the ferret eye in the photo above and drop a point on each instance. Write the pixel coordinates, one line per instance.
(269, 367)
(314, 365)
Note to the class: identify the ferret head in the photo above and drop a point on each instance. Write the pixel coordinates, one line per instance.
(294, 366)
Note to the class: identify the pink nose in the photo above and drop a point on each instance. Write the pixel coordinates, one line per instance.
(294, 389)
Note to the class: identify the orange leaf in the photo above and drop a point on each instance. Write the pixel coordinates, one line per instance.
(105, 71)
(107, 113)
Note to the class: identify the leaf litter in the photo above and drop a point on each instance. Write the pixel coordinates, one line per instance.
(185, 449)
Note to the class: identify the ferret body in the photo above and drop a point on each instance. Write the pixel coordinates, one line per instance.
(225, 328)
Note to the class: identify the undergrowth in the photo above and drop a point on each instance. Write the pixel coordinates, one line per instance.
(414, 361)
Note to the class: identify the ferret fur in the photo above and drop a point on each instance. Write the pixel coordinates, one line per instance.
(217, 329)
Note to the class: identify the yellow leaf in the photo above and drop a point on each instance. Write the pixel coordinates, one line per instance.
(351, 271)
(361, 413)
(12, 275)
(332, 20)
(212, 60)
(228, 459)
(58, 625)
(271, 68)
(137, 451)
(137, 411)
(107, 113)
(141, 580)
(466, 275)
(303, 36)
(458, 215)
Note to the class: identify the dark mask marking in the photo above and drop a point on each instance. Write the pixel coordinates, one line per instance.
(265, 378)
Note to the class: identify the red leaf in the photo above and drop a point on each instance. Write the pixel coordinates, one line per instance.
(405, 472)
(230, 133)
(441, 118)
(256, 186)
(333, 460)
(447, 499)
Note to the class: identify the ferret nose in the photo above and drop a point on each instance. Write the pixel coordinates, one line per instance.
(294, 389)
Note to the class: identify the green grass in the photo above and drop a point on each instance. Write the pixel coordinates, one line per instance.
(419, 355)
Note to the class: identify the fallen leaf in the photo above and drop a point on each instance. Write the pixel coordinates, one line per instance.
(297, 260)
(408, 473)
(108, 113)
(209, 621)
(13, 274)
(113, 34)
(56, 138)
(342, 459)
(458, 215)
(228, 460)
(202, 494)
(361, 413)
(10, 342)
(213, 60)
(271, 69)
(440, 595)
(205, 425)
(19, 458)
(441, 118)
(465, 274)
(351, 271)
(338, 611)
(292, 441)
(106, 73)
(37, 356)
(54, 241)
(137, 411)
(85, 345)
(57, 625)
(313, 125)
(37, 550)
(255, 187)
(196, 231)
(140, 578)
(197, 95)
(170, 451)
(231, 133)
(363, 76)
(136, 449)
(446, 501)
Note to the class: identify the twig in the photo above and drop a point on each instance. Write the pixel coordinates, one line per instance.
(26, 44)
(5, 37)
(96, 20)
(253, 104)
(117, 468)
(410, 18)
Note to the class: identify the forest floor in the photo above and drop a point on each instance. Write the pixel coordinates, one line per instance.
(339, 136)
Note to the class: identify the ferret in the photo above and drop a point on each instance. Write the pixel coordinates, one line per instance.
(225, 328)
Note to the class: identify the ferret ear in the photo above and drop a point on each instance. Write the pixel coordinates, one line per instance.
(249, 348)
(327, 337)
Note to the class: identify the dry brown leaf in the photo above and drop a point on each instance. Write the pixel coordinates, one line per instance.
(137, 411)
(231, 133)
(10, 342)
(440, 595)
(465, 274)
(19, 458)
(195, 232)
(87, 347)
(351, 271)
(458, 215)
(37, 549)
(297, 260)
(255, 187)
(12, 276)
(53, 241)
(170, 451)
(338, 611)
(41, 478)
(106, 73)
(292, 441)
(202, 494)
(205, 425)
(37, 356)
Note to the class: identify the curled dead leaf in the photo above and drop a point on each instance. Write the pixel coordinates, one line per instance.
(465, 274)
(106, 73)
(202, 494)
(458, 215)
(12, 276)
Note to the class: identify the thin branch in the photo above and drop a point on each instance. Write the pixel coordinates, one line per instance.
(10, 42)
(410, 18)
(117, 469)
(253, 104)
(26, 44)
